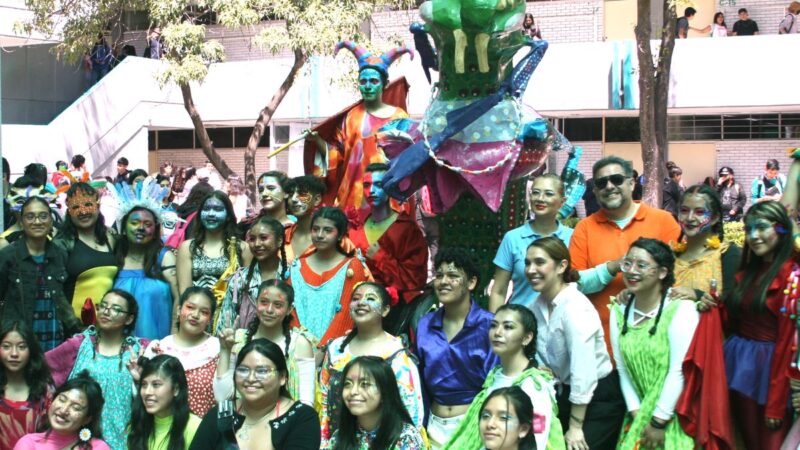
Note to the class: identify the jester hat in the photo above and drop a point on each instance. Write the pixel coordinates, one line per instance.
(366, 59)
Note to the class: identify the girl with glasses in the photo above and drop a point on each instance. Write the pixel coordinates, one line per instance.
(570, 342)
(26, 387)
(274, 305)
(73, 419)
(104, 350)
(506, 420)
(32, 276)
(261, 413)
(372, 414)
(161, 419)
(195, 348)
(650, 337)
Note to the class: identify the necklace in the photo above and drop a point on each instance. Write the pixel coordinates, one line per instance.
(244, 432)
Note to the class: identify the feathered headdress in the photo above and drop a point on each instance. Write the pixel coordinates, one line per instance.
(18, 196)
(145, 194)
(366, 59)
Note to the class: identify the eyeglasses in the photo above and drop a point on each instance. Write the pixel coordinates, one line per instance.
(259, 373)
(628, 265)
(616, 180)
(33, 217)
(113, 310)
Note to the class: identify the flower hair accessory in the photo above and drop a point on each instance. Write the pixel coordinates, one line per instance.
(85, 434)
(354, 221)
(393, 294)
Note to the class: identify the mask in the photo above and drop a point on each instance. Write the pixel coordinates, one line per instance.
(82, 203)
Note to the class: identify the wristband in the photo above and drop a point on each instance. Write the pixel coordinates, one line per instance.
(658, 425)
(576, 419)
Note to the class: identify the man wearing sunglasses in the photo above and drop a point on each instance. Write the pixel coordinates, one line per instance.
(607, 234)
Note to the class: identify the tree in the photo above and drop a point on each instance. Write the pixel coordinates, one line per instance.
(306, 27)
(654, 95)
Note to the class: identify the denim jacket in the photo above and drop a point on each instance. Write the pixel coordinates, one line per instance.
(18, 284)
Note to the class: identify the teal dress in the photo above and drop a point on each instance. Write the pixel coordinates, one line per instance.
(116, 382)
(646, 359)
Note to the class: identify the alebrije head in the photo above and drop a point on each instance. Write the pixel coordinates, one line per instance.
(366, 59)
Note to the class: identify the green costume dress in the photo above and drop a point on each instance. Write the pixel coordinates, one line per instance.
(646, 359)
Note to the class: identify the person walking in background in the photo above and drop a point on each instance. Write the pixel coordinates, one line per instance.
(745, 26)
(769, 186)
(672, 189)
(732, 195)
(682, 27)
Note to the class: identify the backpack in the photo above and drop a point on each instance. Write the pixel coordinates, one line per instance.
(179, 235)
(791, 21)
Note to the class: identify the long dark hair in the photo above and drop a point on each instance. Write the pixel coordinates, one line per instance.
(393, 413)
(229, 231)
(713, 202)
(528, 322)
(663, 256)
(519, 400)
(386, 300)
(167, 367)
(68, 232)
(94, 403)
(272, 352)
(196, 196)
(151, 251)
(756, 281)
(339, 220)
(288, 291)
(276, 228)
(37, 372)
(127, 331)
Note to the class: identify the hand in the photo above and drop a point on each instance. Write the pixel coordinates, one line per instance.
(575, 440)
(623, 297)
(227, 336)
(652, 437)
(614, 266)
(773, 424)
(133, 364)
(706, 302)
(683, 293)
(732, 212)
(372, 250)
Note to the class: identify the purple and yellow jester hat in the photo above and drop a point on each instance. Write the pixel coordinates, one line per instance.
(366, 59)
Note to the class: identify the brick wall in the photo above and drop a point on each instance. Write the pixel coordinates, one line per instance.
(766, 13)
(234, 157)
(569, 20)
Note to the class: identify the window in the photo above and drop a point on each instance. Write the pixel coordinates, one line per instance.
(694, 128)
(622, 129)
(175, 139)
(281, 133)
(583, 129)
(221, 137)
(152, 140)
(241, 135)
(790, 126)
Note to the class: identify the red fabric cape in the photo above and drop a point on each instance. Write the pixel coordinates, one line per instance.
(703, 408)
(394, 94)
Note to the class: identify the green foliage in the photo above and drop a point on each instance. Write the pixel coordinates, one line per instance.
(734, 232)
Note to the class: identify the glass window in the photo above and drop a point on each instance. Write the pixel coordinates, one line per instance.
(175, 139)
(622, 129)
(790, 126)
(222, 137)
(579, 130)
(241, 135)
(281, 133)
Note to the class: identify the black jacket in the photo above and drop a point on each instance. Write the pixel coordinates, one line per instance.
(18, 284)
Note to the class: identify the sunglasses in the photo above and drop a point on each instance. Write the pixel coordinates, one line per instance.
(615, 179)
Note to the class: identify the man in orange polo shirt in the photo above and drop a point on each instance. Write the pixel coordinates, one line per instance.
(607, 234)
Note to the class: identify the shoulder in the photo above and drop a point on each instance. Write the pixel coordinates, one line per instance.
(299, 412)
(99, 444)
(186, 245)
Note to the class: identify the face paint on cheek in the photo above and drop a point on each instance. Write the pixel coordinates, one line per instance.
(82, 204)
(705, 221)
(371, 301)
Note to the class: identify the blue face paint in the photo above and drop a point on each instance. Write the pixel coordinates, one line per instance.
(370, 84)
(213, 214)
(752, 228)
(373, 188)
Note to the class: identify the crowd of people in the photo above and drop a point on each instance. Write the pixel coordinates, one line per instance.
(745, 26)
(299, 325)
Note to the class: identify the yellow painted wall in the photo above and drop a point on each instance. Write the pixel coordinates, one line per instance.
(696, 159)
(705, 14)
(619, 19)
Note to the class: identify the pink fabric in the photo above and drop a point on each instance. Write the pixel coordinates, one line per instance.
(54, 441)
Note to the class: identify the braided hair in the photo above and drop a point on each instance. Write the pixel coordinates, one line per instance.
(127, 331)
(277, 231)
(286, 289)
(714, 204)
(663, 256)
(386, 301)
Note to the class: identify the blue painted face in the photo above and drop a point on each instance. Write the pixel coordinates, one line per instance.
(370, 84)
(373, 188)
(213, 214)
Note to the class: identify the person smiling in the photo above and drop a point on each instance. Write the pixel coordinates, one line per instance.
(570, 342)
(104, 351)
(215, 251)
(197, 350)
(32, 275)
(369, 305)
(395, 249)
(272, 320)
(262, 415)
(265, 241)
(26, 387)
(373, 415)
(452, 344)
(513, 336)
(272, 194)
(73, 417)
(161, 411)
(650, 337)
(505, 420)
(91, 264)
(321, 279)
(305, 195)
(759, 350)
(147, 271)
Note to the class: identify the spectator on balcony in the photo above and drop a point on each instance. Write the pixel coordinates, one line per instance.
(155, 45)
(769, 186)
(682, 28)
(530, 28)
(122, 171)
(789, 24)
(717, 27)
(745, 26)
(101, 58)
